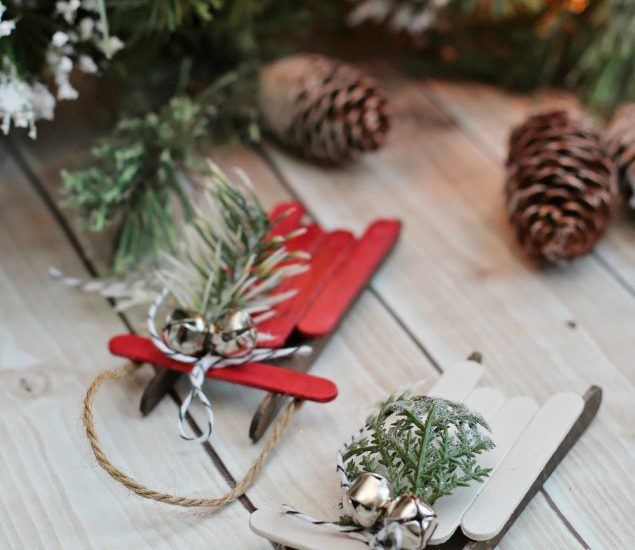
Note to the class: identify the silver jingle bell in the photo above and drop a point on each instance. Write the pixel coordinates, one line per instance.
(234, 334)
(368, 498)
(186, 332)
(416, 519)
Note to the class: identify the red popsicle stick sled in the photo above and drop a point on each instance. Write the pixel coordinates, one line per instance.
(255, 375)
(339, 269)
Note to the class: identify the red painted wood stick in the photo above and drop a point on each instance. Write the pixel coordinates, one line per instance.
(351, 277)
(331, 252)
(255, 375)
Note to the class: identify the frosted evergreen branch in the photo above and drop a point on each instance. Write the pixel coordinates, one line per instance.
(424, 445)
(228, 259)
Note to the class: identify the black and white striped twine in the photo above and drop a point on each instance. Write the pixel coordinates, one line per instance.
(386, 538)
(202, 364)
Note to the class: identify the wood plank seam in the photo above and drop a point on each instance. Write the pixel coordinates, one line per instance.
(420, 345)
(14, 152)
(564, 520)
(49, 202)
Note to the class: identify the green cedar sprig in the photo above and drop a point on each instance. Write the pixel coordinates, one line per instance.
(136, 180)
(423, 445)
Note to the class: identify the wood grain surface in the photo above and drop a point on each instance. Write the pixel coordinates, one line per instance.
(455, 283)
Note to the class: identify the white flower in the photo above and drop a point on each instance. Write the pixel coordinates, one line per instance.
(65, 90)
(373, 10)
(65, 64)
(86, 28)
(59, 39)
(91, 5)
(20, 103)
(43, 101)
(61, 67)
(115, 44)
(68, 10)
(87, 64)
(6, 27)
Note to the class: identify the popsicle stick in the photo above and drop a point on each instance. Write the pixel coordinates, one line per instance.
(508, 485)
(330, 252)
(255, 375)
(323, 315)
(456, 382)
(485, 401)
(298, 534)
(506, 423)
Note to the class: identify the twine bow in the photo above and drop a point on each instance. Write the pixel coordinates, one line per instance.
(200, 367)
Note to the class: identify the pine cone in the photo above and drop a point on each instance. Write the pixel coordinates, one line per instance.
(620, 146)
(326, 109)
(560, 186)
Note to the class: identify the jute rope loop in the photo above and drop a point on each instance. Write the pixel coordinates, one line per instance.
(136, 487)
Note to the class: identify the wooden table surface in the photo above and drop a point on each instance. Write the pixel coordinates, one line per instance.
(456, 282)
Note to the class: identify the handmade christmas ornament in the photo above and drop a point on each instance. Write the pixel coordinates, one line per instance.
(340, 267)
(459, 462)
(619, 138)
(242, 284)
(560, 186)
(323, 108)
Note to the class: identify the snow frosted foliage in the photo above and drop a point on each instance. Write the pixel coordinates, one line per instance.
(22, 103)
(6, 27)
(80, 41)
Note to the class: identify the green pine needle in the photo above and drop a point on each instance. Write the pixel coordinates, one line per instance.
(228, 258)
(136, 180)
(423, 445)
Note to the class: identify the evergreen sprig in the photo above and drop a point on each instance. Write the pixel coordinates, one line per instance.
(423, 445)
(229, 258)
(587, 45)
(136, 179)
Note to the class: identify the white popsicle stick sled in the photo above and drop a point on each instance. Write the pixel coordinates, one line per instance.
(477, 516)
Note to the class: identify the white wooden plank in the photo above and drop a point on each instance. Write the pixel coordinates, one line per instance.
(538, 519)
(52, 494)
(487, 114)
(507, 425)
(528, 457)
(458, 283)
